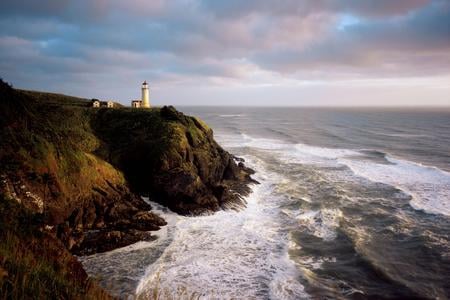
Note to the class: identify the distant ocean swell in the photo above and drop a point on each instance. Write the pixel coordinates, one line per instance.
(429, 187)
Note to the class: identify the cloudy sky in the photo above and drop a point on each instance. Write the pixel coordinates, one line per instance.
(231, 52)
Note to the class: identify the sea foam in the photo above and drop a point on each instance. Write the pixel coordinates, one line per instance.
(229, 254)
(428, 186)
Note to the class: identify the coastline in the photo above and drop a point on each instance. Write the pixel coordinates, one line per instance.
(80, 170)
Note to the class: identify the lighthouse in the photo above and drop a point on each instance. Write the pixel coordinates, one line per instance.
(145, 95)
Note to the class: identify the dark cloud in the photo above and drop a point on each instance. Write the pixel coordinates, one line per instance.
(33, 8)
(372, 8)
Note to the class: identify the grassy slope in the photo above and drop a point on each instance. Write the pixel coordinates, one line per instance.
(28, 269)
(46, 143)
(36, 150)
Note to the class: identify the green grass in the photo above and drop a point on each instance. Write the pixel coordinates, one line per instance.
(46, 133)
(27, 268)
(46, 141)
(57, 99)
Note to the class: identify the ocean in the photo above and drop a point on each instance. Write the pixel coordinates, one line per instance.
(353, 203)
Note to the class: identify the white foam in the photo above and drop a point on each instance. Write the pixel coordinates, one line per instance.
(287, 152)
(314, 263)
(264, 143)
(230, 140)
(306, 154)
(321, 223)
(428, 186)
(229, 254)
(244, 140)
(328, 153)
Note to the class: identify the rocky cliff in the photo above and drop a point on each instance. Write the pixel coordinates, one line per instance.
(83, 171)
(172, 158)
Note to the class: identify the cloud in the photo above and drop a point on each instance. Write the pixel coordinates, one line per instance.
(415, 44)
(82, 10)
(372, 8)
(197, 42)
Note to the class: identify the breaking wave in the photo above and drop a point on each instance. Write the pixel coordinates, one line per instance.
(229, 254)
(429, 187)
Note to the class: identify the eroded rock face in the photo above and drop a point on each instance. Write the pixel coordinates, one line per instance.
(188, 172)
(110, 221)
(208, 179)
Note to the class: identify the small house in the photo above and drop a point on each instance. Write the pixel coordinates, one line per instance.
(98, 103)
(95, 103)
(136, 103)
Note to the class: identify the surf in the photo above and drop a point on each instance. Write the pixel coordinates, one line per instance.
(231, 254)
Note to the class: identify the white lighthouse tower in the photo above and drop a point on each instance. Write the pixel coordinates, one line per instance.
(145, 95)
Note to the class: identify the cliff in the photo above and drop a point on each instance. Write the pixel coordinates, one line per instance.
(80, 171)
(172, 158)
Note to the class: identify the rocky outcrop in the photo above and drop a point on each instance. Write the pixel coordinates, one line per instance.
(36, 265)
(188, 172)
(83, 170)
(207, 177)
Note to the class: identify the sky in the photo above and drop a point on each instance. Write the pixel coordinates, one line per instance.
(232, 52)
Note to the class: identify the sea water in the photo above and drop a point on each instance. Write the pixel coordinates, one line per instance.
(352, 203)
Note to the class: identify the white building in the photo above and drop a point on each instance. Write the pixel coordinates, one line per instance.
(136, 103)
(98, 103)
(145, 98)
(145, 95)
